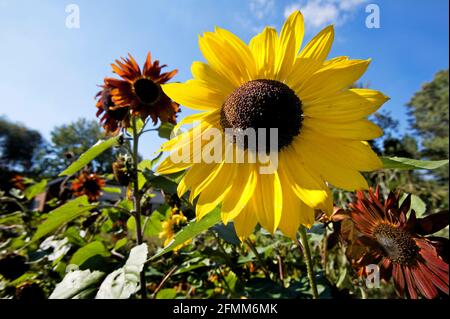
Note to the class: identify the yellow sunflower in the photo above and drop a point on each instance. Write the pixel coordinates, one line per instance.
(171, 226)
(270, 83)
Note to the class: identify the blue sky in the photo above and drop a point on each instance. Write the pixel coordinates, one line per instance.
(49, 72)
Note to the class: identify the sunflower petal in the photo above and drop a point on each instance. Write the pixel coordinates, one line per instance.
(227, 57)
(350, 105)
(207, 75)
(263, 48)
(240, 193)
(355, 155)
(168, 166)
(361, 130)
(195, 176)
(311, 58)
(306, 185)
(245, 222)
(289, 44)
(241, 49)
(268, 201)
(294, 212)
(340, 176)
(216, 191)
(195, 95)
(331, 79)
(207, 174)
(190, 137)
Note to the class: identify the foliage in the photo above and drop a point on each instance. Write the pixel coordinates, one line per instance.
(95, 151)
(70, 247)
(430, 118)
(18, 146)
(76, 138)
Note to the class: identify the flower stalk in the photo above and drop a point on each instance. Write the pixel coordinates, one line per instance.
(309, 263)
(137, 200)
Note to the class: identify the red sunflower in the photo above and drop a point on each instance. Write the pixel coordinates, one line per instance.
(89, 184)
(140, 91)
(18, 181)
(113, 119)
(397, 243)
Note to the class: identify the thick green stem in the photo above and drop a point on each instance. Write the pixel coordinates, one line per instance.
(309, 263)
(137, 201)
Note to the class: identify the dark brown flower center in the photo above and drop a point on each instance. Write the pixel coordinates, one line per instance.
(397, 244)
(264, 104)
(91, 185)
(146, 90)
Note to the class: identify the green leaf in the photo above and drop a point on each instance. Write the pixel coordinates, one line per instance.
(231, 280)
(75, 282)
(113, 190)
(139, 126)
(146, 165)
(62, 215)
(161, 182)
(25, 277)
(73, 235)
(126, 204)
(193, 229)
(35, 189)
(165, 130)
(90, 154)
(120, 243)
(123, 282)
(167, 293)
(417, 204)
(152, 226)
(408, 163)
(187, 267)
(11, 219)
(88, 251)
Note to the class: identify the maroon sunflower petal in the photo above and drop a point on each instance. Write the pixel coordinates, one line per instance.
(441, 284)
(147, 65)
(399, 279)
(410, 283)
(432, 223)
(424, 283)
(386, 268)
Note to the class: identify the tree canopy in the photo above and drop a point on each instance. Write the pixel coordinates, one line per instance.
(71, 140)
(429, 109)
(18, 146)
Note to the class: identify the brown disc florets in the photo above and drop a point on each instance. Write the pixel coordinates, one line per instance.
(397, 244)
(264, 104)
(146, 90)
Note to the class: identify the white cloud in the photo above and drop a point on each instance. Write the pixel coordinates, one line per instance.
(350, 5)
(261, 8)
(319, 13)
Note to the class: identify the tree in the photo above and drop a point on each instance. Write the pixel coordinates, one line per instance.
(430, 118)
(18, 146)
(71, 140)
